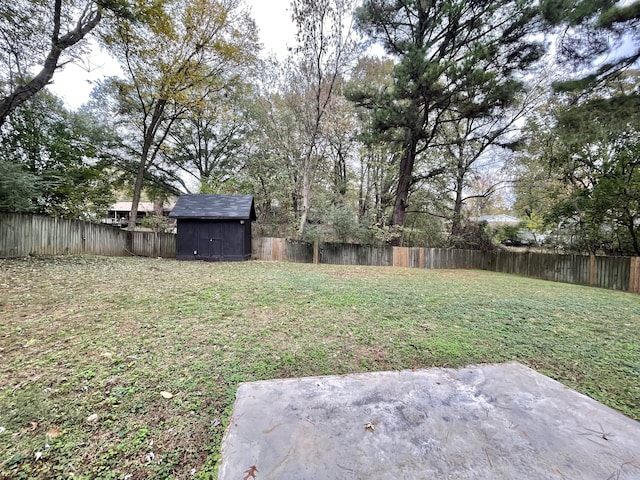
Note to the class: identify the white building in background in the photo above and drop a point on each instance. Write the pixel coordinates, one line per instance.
(118, 213)
(497, 220)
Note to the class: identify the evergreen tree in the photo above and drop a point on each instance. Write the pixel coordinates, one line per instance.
(455, 59)
(592, 30)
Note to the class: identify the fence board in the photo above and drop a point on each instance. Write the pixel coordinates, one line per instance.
(400, 257)
(634, 275)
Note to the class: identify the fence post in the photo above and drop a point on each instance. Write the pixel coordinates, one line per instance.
(316, 249)
(592, 269)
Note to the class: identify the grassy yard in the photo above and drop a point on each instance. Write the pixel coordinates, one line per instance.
(126, 368)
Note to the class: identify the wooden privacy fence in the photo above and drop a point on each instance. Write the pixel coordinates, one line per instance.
(25, 234)
(616, 273)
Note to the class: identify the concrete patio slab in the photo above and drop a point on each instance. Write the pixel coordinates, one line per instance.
(488, 422)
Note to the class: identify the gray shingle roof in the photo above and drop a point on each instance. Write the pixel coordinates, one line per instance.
(214, 207)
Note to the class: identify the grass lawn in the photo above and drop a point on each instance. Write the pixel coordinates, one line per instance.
(126, 368)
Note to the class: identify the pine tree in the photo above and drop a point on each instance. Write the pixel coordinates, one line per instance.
(455, 59)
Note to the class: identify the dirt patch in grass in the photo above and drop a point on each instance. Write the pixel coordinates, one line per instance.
(88, 344)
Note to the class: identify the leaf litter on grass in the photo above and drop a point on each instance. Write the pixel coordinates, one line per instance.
(84, 336)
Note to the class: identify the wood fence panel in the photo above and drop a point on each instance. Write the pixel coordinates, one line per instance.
(10, 232)
(415, 253)
(634, 275)
(26, 234)
(613, 272)
(301, 252)
(408, 257)
(278, 249)
(354, 254)
(381, 256)
(272, 249)
(429, 258)
(401, 257)
(268, 248)
(168, 245)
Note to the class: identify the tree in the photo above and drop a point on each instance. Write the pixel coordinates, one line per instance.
(592, 30)
(18, 187)
(375, 174)
(57, 162)
(600, 162)
(588, 159)
(173, 62)
(208, 147)
(325, 42)
(536, 183)
(473, 144)
(456, 60)
(31, 30)
(276, 148)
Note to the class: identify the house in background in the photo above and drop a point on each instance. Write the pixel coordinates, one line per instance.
(118, 213)
(497, 220)
(214, 227)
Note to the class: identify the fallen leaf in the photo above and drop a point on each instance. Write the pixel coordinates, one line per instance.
(251, 473)
(166, 394)
(92, 418)
(54, 432)
(32, 426)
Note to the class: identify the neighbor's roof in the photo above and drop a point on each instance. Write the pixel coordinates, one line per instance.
(126, 207)
(497, 219)
(214, 207)
(142, 207)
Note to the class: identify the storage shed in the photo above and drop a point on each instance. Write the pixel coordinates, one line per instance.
(214, 227)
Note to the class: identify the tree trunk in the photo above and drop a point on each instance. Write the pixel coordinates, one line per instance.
(149, 136)
(306, 198)
(456, 224)
(402, 192)
(340, 174)
(631, 225)
(137, 192)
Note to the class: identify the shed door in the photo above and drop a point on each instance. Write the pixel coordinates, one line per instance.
(210, 242)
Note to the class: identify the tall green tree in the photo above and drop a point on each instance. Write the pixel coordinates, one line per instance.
(375, 173)
(455, 59)
(472, 146)
(581, 169)
(55, 161)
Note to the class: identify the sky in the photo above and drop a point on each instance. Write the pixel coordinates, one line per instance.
(75, 81)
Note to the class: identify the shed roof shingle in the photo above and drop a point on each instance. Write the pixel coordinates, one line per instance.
(214, 207)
